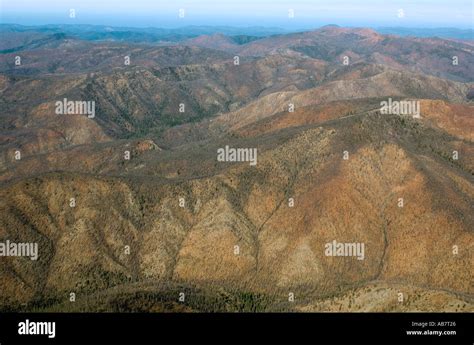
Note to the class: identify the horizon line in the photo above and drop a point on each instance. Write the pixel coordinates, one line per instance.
(243, 26)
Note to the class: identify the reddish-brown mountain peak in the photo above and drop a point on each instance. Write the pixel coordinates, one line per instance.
(213, 37)
(334, 30)
(214, 41)
(331, 30)
(330, 27)
(366, 32)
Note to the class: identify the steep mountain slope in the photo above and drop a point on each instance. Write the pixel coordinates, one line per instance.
(386, 84)
(280, 246)
(432, 56)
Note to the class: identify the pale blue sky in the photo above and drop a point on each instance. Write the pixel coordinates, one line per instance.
(417, 13)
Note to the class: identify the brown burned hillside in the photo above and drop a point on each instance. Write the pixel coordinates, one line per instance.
(232, 236)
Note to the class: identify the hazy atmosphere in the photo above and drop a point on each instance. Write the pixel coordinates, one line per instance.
(307, 13)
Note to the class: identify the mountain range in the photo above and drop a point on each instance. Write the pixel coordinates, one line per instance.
(171, 228)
